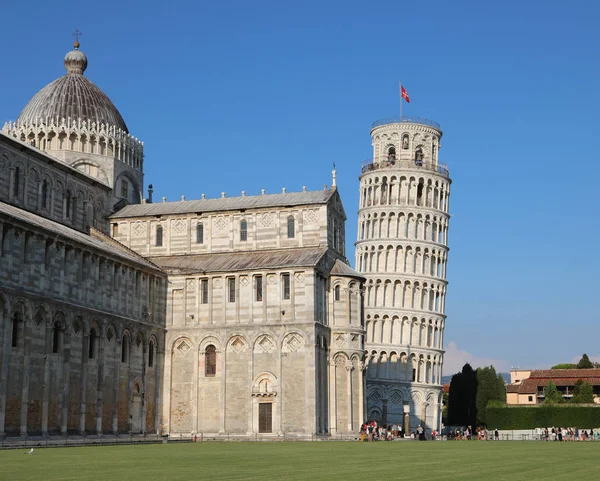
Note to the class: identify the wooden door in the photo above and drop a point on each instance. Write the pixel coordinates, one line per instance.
(265, 416)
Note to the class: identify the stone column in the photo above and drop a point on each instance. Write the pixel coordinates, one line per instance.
(159, 362)
(45, 385)
(130, 385)
(63, 396)
(144, 373)
(406, 420)
(332, 399)
(349, 370)
(25, 387)
(116, 384)
(84, 366)
(100, 380)
(5, 342)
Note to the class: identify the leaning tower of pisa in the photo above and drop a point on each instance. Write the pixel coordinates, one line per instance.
(402, 250)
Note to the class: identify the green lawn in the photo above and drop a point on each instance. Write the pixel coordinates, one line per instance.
(450, 460)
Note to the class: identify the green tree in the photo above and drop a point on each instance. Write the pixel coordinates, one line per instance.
(462, 397)
(552, 396)
(583, 393)
(500, 389)
(585, 363)
(490, 387)
(564, 366)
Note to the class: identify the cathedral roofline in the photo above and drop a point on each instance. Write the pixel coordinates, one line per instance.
(241, 261)
(221, 204)
(49, 159)
(58, 230)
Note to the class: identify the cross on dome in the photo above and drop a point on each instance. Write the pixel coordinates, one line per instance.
(76, 35)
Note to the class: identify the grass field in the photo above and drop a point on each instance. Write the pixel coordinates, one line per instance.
(451, 460)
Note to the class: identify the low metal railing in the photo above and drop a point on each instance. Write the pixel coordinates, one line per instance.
(438, 168)
(410, 120)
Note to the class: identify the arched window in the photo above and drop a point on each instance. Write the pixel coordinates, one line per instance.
(68, 204)
(125, 348)
(291, 227)
(200, 234)
(336, 293)
(419, 156)
(93, 345)
(151, 354)
(57, 338)
(210, 361)
(392, 154)
(16, 181)
(44, 194)
(159, 236)
(17, 324)
(243, 230)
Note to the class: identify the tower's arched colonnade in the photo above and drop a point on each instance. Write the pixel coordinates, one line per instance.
(402, 250)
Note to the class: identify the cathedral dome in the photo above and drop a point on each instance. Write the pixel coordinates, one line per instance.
(73, 96)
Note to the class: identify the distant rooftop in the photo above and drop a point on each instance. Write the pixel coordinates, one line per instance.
(226, 203)
(408, 120)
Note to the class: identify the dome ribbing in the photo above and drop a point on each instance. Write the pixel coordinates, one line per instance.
(73, 96)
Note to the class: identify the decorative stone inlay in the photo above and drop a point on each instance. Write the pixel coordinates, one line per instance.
(244, 280)
(396, 398)
(375, 397)
(292, 343)
(178, 226)
(191, 284)
(355, 340)
(221, 223)
(340, 339)
(237, 345)
(271, 279)
(265, 344)
(266, 219)
(299, 277)
(139, 229)
(183, 347)
(217, 283)
(311, 215)
(109, 335)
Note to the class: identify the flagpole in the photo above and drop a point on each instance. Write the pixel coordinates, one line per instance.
(400, 91)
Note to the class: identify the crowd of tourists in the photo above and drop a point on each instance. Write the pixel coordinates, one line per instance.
(569, 434)
(372, 431)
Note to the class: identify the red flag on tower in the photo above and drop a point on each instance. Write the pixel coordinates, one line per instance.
(404, 94)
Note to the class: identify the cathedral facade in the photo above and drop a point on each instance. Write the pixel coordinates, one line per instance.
(233, 315)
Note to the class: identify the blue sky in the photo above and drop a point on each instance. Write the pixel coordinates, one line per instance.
(231, 96)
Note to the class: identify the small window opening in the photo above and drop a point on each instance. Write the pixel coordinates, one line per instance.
(16, 327)
(392, 154)
(93, 344)
(200, 234)
(419, 156)
(243, 231)
(125, 348)
(336, 293)
(232, 289)
(291, 227)
(57, 338)
(124, 189)
(210, 361)
(259, 288)
(151, 354)
(204, 288)
(159, 236)
(286, 286)
(44, 193)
